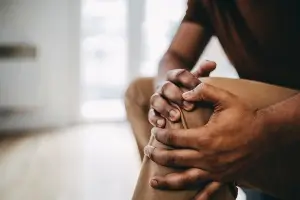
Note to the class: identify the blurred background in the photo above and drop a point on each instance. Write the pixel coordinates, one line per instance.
(64, 67)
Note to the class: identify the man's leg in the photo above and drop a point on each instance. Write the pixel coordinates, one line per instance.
(272, 178)
(149, 169)
(137, 101)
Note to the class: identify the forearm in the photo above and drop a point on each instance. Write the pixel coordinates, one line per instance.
(276, 172)
(171, 60)
(283, 121)
(185, 49)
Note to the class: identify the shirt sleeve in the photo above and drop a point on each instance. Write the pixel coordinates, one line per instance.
(196, 13)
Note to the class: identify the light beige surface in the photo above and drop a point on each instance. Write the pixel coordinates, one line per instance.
(91, 162)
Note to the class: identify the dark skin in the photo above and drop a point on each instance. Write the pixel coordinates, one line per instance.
(225, 146)
(183, 53)
(178, 76)
(187, 81)
(216, 135)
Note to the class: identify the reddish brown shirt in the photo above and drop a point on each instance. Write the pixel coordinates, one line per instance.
(260, 37)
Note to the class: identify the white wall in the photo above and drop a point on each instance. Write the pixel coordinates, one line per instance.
(54, 27)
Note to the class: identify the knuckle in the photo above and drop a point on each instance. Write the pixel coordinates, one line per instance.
(179, 159)
(182, 180)
(170, 75)
(204, 141)
(167, 85)
(179, 73)
(173, 75)
(169, 137)
(154, 98)
(170, 159)
(199, 175)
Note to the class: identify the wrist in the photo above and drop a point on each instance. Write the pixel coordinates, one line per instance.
(263, 131)
(272, 127)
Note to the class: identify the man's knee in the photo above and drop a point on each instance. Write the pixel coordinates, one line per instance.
(139, 92)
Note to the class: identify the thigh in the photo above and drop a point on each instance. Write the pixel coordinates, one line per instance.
(197, 117)
(256, 94)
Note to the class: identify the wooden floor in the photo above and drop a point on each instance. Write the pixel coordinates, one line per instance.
(91, 162)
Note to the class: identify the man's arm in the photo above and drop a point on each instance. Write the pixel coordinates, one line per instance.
(282, 120)
(185, 49)
(189, 41)
(183, 53)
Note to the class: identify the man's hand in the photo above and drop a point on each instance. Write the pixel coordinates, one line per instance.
(178, 81)
(229, 142)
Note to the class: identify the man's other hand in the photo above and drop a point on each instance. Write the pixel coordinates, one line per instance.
(170, 93)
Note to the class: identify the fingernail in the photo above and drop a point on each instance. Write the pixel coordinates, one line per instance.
(187, 104)
(148, 150)
(160, 122)
(173, 114)
(153, 183)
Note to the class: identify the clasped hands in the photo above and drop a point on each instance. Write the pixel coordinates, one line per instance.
(216, 152)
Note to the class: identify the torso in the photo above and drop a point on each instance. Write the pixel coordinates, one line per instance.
(260, 37)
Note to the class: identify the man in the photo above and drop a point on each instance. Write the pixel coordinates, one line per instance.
(260, 38)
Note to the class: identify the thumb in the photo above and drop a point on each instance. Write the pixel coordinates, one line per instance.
(208, 93)
(205, 69)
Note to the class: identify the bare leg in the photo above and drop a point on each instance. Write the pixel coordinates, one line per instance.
(137, 101)
(269, 178)
(143, 191)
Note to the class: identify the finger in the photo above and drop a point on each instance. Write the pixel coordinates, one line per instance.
(171, 157)
(183, 78)
(155, 119)
(205, 69)
(208, 191)
(180, 138)
(173, 93)
(189, 179)
(159, 104)
(209, 93)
